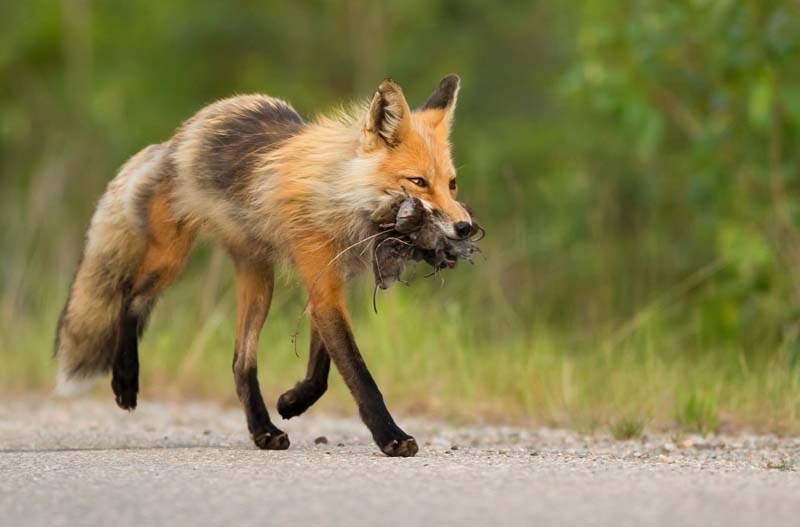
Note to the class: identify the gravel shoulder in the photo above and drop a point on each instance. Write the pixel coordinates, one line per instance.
(84, 462)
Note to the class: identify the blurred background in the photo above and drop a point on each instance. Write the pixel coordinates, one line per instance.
(635, 165)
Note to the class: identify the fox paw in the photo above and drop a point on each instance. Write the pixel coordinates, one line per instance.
(125, 391)
(126, 400)
(401, 448)
(288, 405)
(300, 398)
(268, 441)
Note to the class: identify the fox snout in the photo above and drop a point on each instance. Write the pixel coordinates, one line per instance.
(461, 220)
(456, 228)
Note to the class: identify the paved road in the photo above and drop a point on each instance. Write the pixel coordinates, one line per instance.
(86, 463)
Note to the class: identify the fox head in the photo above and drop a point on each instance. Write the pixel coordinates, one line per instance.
(413, 150)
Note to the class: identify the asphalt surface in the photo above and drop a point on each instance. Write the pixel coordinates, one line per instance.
(84, 462)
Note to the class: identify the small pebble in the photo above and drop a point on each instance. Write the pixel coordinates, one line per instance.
(777, 464)
(321, 440)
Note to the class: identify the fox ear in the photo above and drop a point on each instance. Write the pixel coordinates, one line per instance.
(388, 118)
(439, 108)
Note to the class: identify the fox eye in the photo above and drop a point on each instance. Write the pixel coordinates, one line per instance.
(453, 184)
(418, 181)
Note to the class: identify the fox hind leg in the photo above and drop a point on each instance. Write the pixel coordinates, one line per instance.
(169, 242)
(125, 368)
(254, 285)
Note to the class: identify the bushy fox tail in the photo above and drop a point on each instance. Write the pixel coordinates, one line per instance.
(101, 316)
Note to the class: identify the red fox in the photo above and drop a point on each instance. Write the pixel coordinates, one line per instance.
(249, 172)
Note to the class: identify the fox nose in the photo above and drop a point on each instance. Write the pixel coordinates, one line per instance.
(463, 228)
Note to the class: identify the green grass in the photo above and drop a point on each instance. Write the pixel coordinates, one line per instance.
(439, 354)
(698, 412)
(626, 428)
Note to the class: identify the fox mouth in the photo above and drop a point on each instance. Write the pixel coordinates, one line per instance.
(413, 233)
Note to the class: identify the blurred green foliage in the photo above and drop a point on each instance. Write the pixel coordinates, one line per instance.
(635, 164)
(694, 134)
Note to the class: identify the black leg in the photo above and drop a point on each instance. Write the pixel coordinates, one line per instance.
(340, 343)
(125, 370)
(306, 392)
(265, 434)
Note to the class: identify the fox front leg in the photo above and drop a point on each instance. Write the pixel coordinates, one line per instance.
(341, 345)
(325, 286)
(305, 393)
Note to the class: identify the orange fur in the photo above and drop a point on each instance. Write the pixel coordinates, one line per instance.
(167, 248)
(322, 277)
(424, 153)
